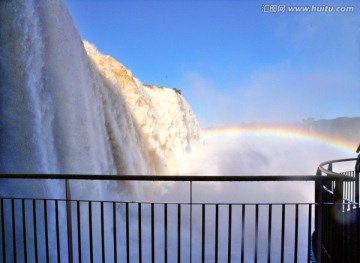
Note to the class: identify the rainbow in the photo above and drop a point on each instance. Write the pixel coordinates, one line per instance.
(282, 131)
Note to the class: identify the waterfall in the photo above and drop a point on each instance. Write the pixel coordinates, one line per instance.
(66, 108)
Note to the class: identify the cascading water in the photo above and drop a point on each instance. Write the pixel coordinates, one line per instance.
(62, 112)
(65, 108)
(162, 116)
(23, 118)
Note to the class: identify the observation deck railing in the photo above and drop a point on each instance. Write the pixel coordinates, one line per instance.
(67, 227)
(337, 226)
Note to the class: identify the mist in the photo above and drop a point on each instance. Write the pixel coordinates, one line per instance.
(249, 154)
(261, 155)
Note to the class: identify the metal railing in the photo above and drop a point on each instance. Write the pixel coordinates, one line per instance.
(337, 226)
(73, 229)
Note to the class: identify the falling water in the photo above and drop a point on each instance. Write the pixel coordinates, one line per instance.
(65, 108)
(63, 112)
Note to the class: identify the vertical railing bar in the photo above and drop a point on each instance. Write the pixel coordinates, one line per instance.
(346, 233)
(179, 234)
(347, 193)
(102, 231)
(79, 229)
(229, 233)
(216, 232)
(35, 231)
(13, 228)
(24, 230)
(282, 232)
(127, 233)
(46, 231)
(269, 233)
(256, 231)
(357, 182)
(114, 231)
(350, 193)
(351, 184)
(309, 235)
(343, 232)
(152, 234)
(242, 233)
(190, 222)
(354, 189)
(57, 231)
(357, 236)
(296, 232)
(165, 234)
(140, 232)
(203, 234)
(327, 229)
(326, 225)
(69, 221)
(319, 214)
(350, 187)
(90, 232)
(3, 230)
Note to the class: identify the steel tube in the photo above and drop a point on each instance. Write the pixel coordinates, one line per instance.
(188, 178)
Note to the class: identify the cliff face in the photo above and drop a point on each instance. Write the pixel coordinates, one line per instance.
(68, 109)
(162, 116)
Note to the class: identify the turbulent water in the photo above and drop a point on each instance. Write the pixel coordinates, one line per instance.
(66, 108)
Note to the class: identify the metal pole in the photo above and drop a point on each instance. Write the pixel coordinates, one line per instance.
(318, 216)
(357, 171)
(68, 218)
(191, 221)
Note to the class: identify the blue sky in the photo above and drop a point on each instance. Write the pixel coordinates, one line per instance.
(233, 62)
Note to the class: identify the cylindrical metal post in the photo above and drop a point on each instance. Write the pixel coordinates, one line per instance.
(318, 216)
(357, 171)
(68, 218)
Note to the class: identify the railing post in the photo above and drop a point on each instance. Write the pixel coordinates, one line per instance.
(191, 205)
(357, 171)
(338, 192)
(318, 215)
(329, 184)
(68, 218)
(338, 195)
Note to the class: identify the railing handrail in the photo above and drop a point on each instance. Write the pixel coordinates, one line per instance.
(332, 173)
(188, 178)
